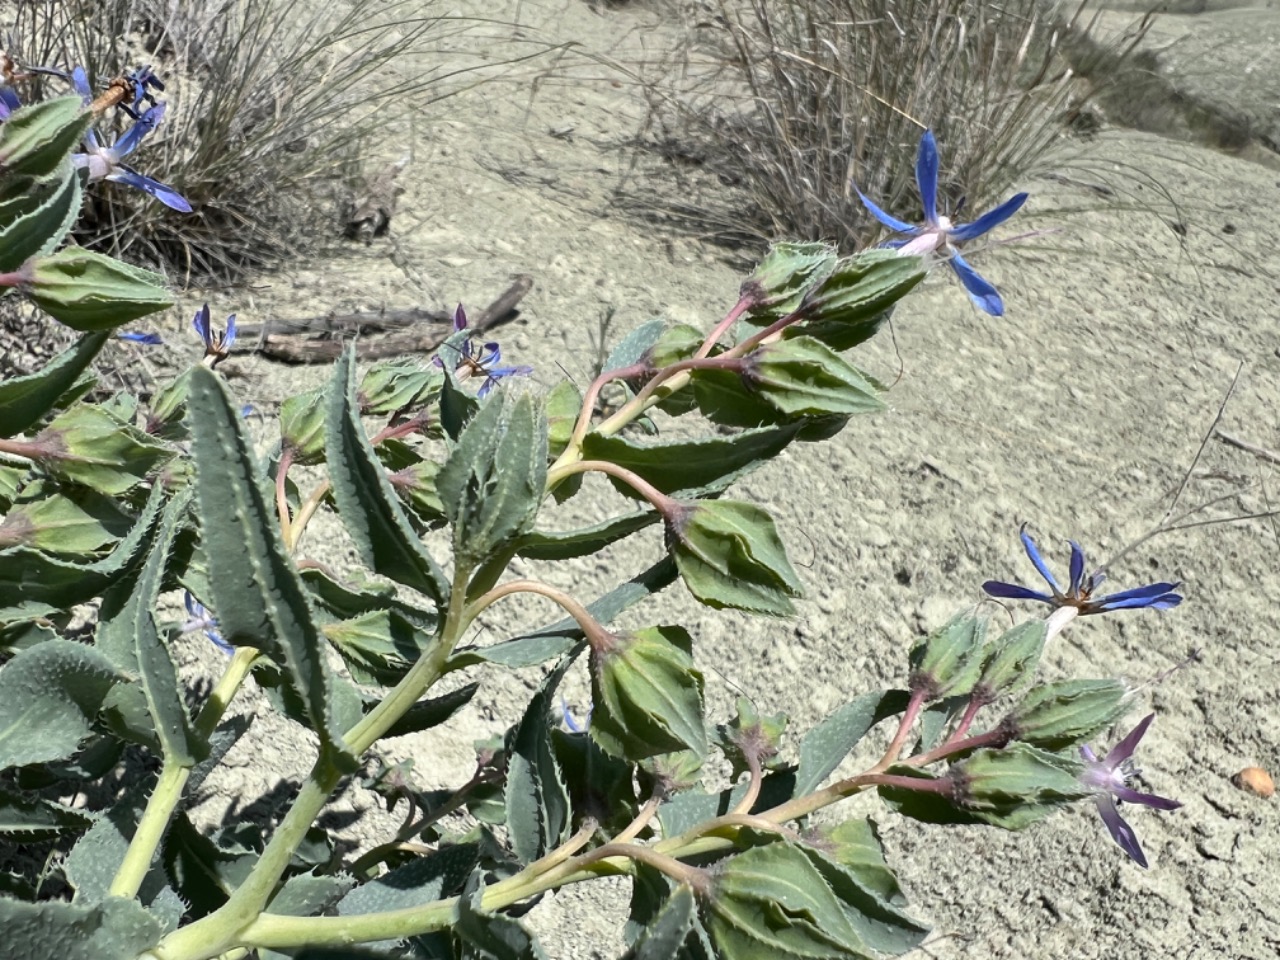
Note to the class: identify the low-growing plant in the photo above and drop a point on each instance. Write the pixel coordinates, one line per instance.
(793, 102)
(111, 510)
(275, 107)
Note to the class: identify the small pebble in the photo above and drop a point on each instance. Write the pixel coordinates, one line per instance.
(1255, 780)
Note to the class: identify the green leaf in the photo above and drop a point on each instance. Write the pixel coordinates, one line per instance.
(947, 661)
(493, 482)
(856, 846)
(133, 641)
(491, 936)
(49, 695)
(302, 427)
(1017, 785)
(204, 874)
(51, 210)
(305, 894)
(787, 272)
(600, 786)
(564, 404)
(538, 808)
(88, 291)
(730, 555)
(826, 745)
(632, 348)
(397, 388)
(690, 468)
(37, 139)
(258, 597)
(115, 929)
(559, 638)
(418, 882)
(366, 501)
(340, 602)
(583, 541)
(880, 924)
(25, 818)
(1058, 715)
(770, 902)
(665, 934)
(429, 713)
(647, 695)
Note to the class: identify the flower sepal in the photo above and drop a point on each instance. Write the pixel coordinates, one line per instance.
(850, 304)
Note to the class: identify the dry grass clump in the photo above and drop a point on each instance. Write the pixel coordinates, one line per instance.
(793, 101)
(272, 105)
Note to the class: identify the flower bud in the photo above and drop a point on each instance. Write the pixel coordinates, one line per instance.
(416, 486)
(781, 280)
(36, 139)
(396, 387)
(730, 555)
(564, 403)
(88, 445)
(749, 735)
(1011, 658)
(302, 419)
(1017, 785)
(802, 377)
(88, 291)
(647, 694)
(1059, 715)
(947, 661)
(669, 773)
(850, 304)
(169, 408)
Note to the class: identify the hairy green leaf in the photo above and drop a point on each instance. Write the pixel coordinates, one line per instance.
(37, 139)
(666, 932)
(827, 744)
(89, 291)
(538, 809)
(89, 445)
(51, 210)
(25, 818)
(258, 597)
(490, 936)
(429, 713)
(24, 400)
(565, 545)
(49, 695)
(115, 929)
(366, 501)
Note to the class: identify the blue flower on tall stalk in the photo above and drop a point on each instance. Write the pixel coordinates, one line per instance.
(484, 361)
(200, 619)
(939, 235)
(1110, 777)
(217, 346)
(106, 163)
(1079, 594)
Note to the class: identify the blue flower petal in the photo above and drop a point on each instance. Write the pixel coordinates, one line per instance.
(981, 292)
(989, 220)
(1123, 750)
(1012, 591)
(1033, 554)
(1129, 795)
(1120, 831)
(141, 127)
(927, 176)
(1077, 568)
(80, 80)
(1159, 596)
(229, 337)
(9, 102)
(165, 194)
(893, 223)
(137, 337)
(201, 323)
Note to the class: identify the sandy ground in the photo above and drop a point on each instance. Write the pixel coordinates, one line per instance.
(1079, 411)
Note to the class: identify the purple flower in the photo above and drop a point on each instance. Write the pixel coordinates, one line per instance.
(150, 339)
(482, 362)
(1157, 596)
(1110, 778)
(201, 619)
(106, 163)
(216, 345)
(143, 80)
(9, 102)
(940, 235)
(572, 723)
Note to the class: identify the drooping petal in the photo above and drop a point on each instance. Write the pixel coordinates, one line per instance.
(229, 337)
(989, 220)
(141, 127)
(981, 292)
(201, 323)
(1129, 795)
(1077, 568)
(927, 177)
(459, 319)
(80, 80)
(1033, 554)
(1123, 750)
(136, 337)
(1156, 596)
(490, 353)
(1012, 591)
(1120, 831)
(170, 197)
(893, 223)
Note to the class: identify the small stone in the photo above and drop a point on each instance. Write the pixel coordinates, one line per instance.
(1255, 780)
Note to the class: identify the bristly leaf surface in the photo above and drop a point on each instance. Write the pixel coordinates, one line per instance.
(538, 808)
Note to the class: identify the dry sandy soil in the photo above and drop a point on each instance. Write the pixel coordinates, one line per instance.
(1079, 412)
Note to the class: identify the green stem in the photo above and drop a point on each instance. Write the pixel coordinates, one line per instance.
(596, 634)
(173, 779)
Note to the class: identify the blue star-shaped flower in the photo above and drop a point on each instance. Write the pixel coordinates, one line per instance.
(1109, 779)
(484, 361)
(1157, 596)
(939, 235)
(217, 346)
(202, 620)
(106, 163)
